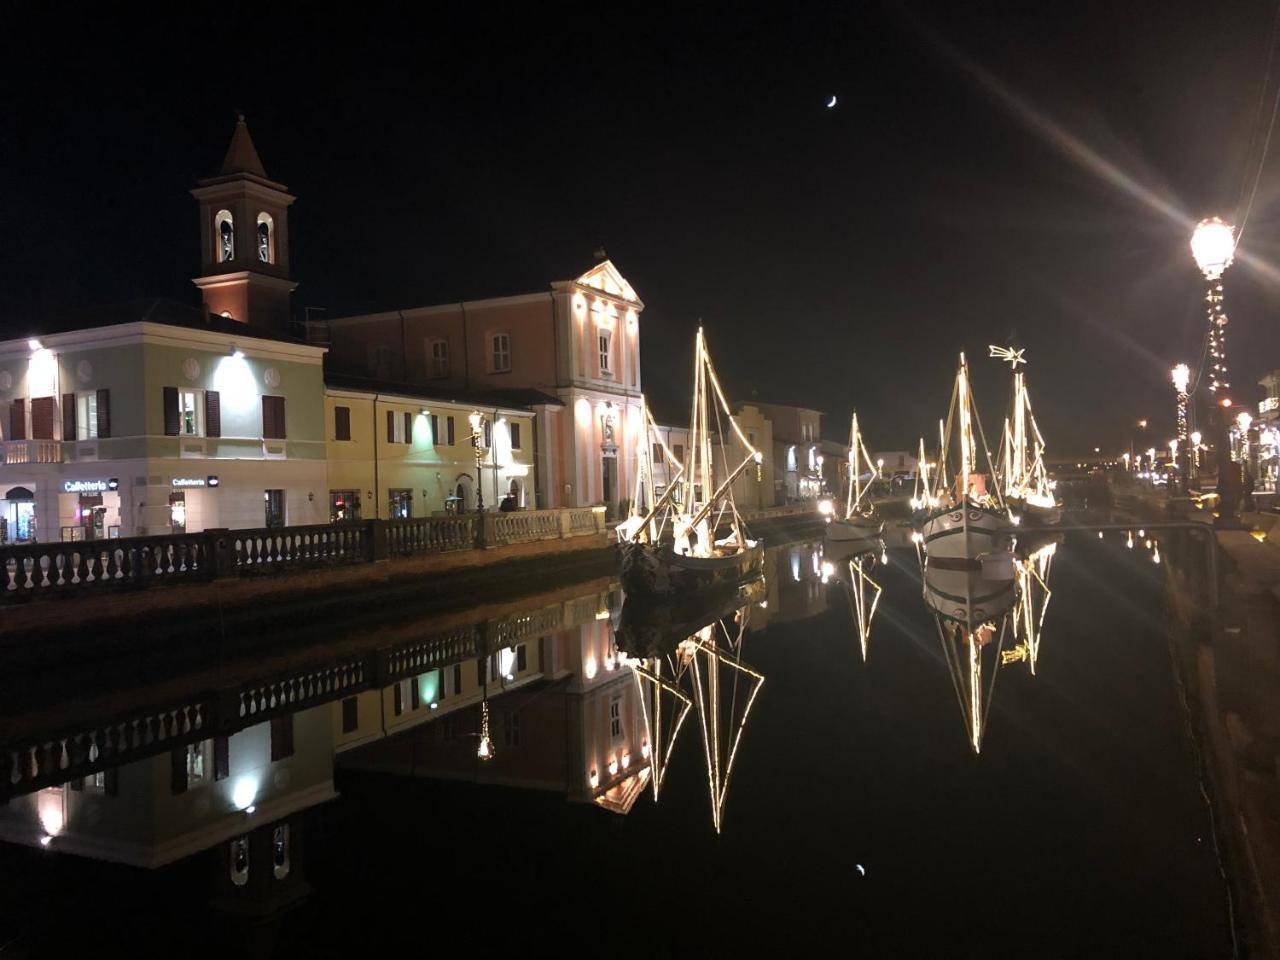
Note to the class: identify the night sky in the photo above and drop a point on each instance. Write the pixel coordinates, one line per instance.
(838, 257)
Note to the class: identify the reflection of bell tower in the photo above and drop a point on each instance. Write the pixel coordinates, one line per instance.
(244, 239)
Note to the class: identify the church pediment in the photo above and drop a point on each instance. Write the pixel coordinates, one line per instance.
(606, 278)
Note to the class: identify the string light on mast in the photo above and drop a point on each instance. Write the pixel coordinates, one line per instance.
(1181, 381)
(1213, 245)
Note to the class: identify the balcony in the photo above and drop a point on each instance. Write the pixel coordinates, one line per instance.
(32, 451)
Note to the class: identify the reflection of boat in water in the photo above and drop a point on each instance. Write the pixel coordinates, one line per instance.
(1033, 602)
(971, 613)
(861, 521)
(863, 591)
(693, 560)
(1021, 471)
(970, 519)
(701, 669)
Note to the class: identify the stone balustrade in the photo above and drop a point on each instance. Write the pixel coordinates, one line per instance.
(32, 451)
(65, 568)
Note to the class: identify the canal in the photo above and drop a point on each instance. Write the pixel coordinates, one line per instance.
(856, 815)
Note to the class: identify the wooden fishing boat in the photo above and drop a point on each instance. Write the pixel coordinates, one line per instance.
(1020, 469)
(861, 520)
(693, 560)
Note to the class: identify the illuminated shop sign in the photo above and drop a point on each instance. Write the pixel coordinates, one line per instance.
(90, 486)
(1269, 404)
(186, 483)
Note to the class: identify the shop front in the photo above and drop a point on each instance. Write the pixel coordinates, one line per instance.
(190, 507)
(89, 509)
(18, 523)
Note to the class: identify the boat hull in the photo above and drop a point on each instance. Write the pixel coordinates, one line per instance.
(846, 531)
(963, 595)
(963, 533)
(658, 571)
(1036, 515)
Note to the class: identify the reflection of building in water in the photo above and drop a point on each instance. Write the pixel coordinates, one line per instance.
(797, 584)
(565, 717)
(239, 796)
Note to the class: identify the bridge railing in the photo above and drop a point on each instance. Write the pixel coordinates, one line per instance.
(60, 569)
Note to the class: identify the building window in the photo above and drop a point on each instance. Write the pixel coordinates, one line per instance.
(522, 657)
(197, 762)
(657, 453)
(280, 851)
(274, 507)
(440, 359)
(189, 413)
(239, 864)
(400, 504)
(449, 430)
(342, 423)
(86, 416)
(500, 348)
(351, 714)
(273, 418)
(380, 361)
(344, 505)
(515, 436)
(615, 719)
(399, 428)
(604, 339)
(486, 428)
(225, 227)
(266, 238)
(678, 450)
(791, 459)
(435, 430)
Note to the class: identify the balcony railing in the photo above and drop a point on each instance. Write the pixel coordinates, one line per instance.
(32, 451)
(67, 568)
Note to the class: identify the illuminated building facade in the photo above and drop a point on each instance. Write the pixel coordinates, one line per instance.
(150, 417)
(1268, 430)
(798, 460)
(576, 344)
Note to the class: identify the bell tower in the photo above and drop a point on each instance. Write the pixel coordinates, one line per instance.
(244, 239)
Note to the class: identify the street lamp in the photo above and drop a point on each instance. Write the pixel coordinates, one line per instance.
(1196, 437)
(477, 446)
(1213, 245)
(1181, 380)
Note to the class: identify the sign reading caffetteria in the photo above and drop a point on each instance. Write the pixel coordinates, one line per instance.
(188, 482)
(89, 486)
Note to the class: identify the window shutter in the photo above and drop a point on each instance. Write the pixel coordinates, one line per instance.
(18, 420)
(273, 418)
(515, 436)
(170, 411)
(342, 423)
(408, 427)
(450, 426)
(391, 426)
(178, 770)
(435, 429)
(68, 416)
(104, 414)
(42, 416)
(212, 413)
(282, 737)
(221, 758)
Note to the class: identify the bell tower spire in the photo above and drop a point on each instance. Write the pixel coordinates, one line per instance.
(244, 234)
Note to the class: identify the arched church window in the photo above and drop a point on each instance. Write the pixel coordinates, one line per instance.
(266, 238)
(225, 227)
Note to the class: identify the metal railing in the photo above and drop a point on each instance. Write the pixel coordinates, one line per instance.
(74, 568)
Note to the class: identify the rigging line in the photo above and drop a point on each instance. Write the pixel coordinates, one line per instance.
(1266, 143)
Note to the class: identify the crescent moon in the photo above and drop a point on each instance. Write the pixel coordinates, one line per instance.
(832, 102)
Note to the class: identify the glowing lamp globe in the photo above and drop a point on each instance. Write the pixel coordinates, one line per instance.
(1181, 377)
(1244, 420)
(1213, 245)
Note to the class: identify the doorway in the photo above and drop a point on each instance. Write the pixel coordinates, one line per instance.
(178, 512)
(274, 500)
(608, 480)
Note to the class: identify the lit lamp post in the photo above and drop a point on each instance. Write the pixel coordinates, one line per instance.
(1213, 244)
(477, 446)
(1243, 422)
(1181, 380)
(1196, 437)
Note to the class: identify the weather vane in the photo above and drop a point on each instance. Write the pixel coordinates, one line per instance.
(1014, 357)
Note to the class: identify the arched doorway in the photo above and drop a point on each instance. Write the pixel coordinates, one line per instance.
(463, 498)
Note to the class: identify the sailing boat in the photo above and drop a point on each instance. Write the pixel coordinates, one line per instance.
(693, 560)
(969, 522)
(861, 519)
(1020, 469)
(1032, 604)
(649, 509)
(864, 592)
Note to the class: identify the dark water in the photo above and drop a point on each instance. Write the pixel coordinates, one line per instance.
(857, 818)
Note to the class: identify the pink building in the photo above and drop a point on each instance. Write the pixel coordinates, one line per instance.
(572, 352)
